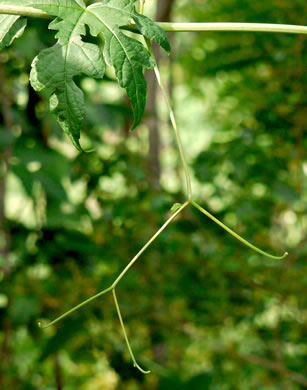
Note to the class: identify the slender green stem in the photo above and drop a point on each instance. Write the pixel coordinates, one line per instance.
(75, 308)
(252, 27)
(149, 243)
(10, 9)
(174, 123)
(187, 173)
(142, 6)
(135, 364)
(236, 235)
(248, 27)
(23, 11)
(112, 287)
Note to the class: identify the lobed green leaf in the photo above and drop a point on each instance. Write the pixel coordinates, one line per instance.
(11, 27)
(56, 67)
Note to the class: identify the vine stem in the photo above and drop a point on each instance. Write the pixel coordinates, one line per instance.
(176, 27)
(122, 274)
(149, 243)
(187, 172)
(75, 308)
(234, 234)
(10, 9)
(135, 364)
(113, 286)
(142, 6)
(174, 123)
(256, 27)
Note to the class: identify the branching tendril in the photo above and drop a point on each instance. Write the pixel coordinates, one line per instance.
(177, 209)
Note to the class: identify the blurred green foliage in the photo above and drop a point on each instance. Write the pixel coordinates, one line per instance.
(202, 311)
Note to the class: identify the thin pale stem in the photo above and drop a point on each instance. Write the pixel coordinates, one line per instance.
(252, 27)
(236, 235)
(8, 9)
(149, 243)
(112, 287)
(248, 27)
(135, 364)
(187, 173)
(75, 308)
(173, 27)
(142, 6)
(174, 124)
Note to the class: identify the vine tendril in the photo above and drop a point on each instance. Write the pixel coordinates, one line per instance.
(75, 308)
(234, 234)
(187, 172)
(173, 121)
(176, 210)
(114, 284)
(135, 364)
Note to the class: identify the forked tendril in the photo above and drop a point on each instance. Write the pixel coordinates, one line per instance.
(186, 168)
(115, 283)
(153, 238)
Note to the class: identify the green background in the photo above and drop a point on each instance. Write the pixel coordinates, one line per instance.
(202, 311)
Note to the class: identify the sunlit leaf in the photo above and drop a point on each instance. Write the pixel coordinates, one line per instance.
(56, 67)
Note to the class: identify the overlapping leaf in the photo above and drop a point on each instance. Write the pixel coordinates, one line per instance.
(11, 27)
(56, 67)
